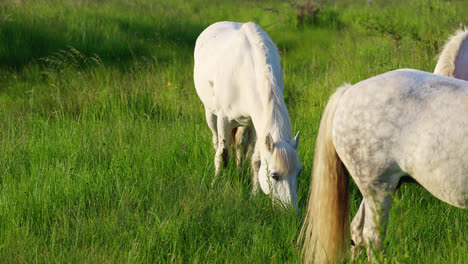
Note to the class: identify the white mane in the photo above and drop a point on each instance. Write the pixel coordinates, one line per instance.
(266, 54)
(239, 79)
(446, 64)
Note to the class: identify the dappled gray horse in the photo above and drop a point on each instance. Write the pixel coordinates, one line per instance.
(401, 123)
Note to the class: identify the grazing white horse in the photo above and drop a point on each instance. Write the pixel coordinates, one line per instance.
(239, 79)
(453, 60)
(401, 123)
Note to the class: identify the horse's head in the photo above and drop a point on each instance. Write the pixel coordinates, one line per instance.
(279, 169)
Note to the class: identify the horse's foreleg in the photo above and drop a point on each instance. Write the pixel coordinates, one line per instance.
(255, 168)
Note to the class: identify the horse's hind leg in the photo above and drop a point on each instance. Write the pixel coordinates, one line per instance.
(357, 226)
(376, 209)
(368, 226)
(370, 222)
(211, 120)
(375, 222)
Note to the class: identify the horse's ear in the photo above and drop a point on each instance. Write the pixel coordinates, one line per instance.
(295, 142)
(269, 142)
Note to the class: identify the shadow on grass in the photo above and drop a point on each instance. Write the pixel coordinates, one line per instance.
(114, 40)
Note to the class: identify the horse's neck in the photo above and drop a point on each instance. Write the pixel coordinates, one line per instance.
(461, 61)
(274, 117)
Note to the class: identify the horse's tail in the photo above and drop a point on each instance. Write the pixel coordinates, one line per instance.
(446, 63)
(325, 232)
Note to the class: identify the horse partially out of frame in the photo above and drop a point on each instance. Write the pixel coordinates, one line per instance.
(239, 79)
(453, 60)
(400, 123)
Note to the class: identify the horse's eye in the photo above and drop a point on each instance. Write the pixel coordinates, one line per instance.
(275, 176)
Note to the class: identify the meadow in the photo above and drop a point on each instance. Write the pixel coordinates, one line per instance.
(105, 156)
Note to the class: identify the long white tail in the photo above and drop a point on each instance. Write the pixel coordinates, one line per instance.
(325, 232)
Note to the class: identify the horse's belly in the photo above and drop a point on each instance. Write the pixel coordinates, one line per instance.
(437, 158)
(448, 183)
(235, 113)
(243, 121)
(452, 190)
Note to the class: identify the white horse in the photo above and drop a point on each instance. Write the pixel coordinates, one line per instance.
(401, 123)
(239, 79)
(453, 60)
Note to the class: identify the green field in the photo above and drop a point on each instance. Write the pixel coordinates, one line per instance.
(105, 156)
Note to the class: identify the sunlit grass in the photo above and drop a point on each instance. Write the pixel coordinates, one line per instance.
(104, 151)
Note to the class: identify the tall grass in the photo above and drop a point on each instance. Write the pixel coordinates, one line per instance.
(104, 151)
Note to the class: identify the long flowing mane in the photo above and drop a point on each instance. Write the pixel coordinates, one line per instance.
(276, 116)
(446, 64)
(267, 57)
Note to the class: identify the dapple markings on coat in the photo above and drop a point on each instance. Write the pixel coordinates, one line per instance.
(401, 123)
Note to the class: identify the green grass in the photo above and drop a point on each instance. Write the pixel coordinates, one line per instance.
(104, 151)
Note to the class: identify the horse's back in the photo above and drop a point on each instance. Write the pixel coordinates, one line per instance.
(407, 122)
